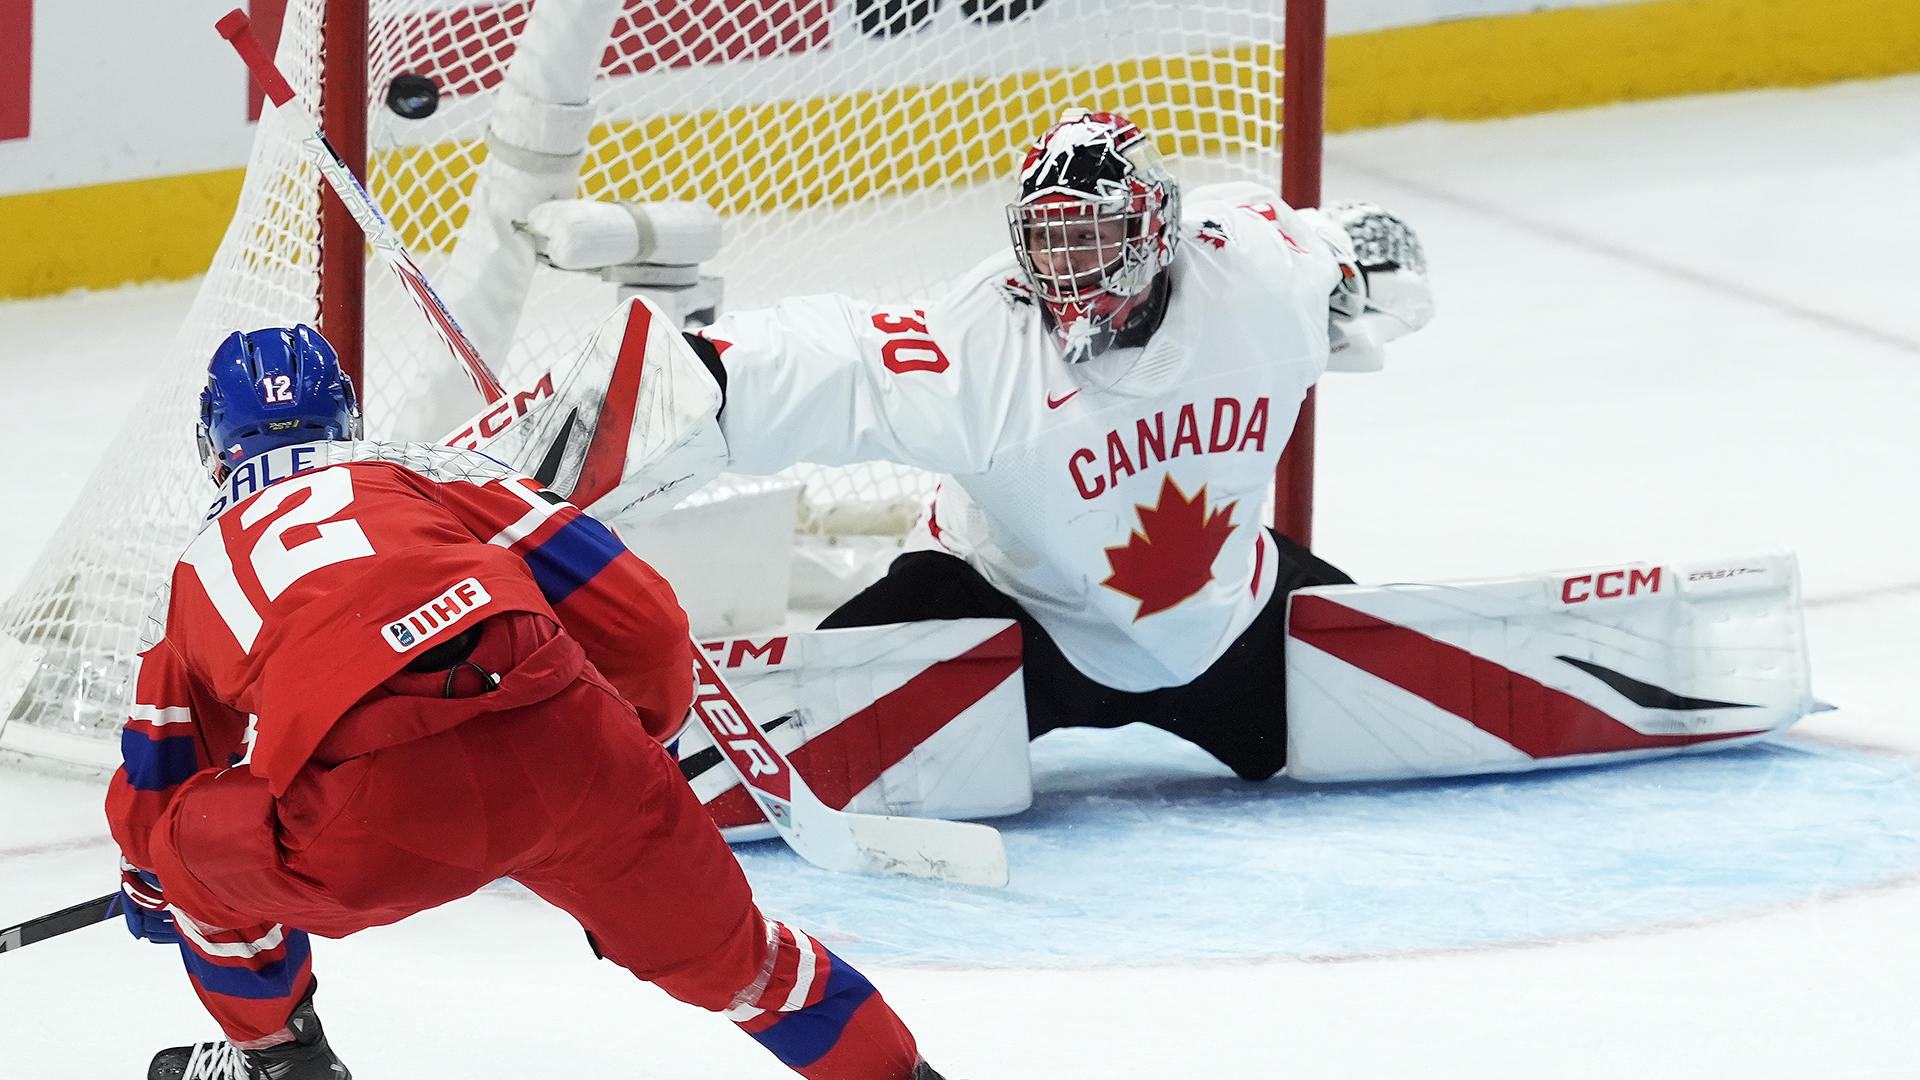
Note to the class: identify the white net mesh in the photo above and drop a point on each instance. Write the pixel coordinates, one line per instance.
(861, 147)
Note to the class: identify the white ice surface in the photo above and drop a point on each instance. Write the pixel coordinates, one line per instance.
(1677, 329)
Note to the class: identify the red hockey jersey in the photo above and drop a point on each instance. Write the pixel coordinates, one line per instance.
(324, 568)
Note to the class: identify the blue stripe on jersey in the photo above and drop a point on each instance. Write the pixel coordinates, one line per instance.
(803, 1037)
(155, 764)
(264, 983)
(571, 557)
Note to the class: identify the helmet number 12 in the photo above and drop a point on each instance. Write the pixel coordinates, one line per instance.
(278, 389)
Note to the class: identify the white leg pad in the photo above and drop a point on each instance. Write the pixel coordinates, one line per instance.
(1565, 668)
(924, 719)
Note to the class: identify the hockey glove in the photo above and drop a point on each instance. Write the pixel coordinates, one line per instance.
(145, 906)
(1392, 265)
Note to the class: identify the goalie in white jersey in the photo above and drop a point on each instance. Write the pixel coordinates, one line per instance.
(1109, 400)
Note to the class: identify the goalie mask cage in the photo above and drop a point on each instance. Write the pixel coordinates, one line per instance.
(858, 146)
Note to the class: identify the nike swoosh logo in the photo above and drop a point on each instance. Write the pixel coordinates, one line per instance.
(1647, 695)
(1052, 404)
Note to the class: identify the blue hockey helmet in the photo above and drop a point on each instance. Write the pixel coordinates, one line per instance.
(272, 387)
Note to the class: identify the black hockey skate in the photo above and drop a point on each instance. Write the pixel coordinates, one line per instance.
(307, 1057)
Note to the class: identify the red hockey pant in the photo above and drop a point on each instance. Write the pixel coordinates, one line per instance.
(550, 780)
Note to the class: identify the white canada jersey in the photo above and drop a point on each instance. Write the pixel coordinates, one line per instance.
(1117, 500)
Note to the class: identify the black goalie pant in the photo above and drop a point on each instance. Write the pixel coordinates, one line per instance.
(1235, 710)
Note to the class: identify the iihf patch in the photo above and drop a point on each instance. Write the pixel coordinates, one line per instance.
(436, 615)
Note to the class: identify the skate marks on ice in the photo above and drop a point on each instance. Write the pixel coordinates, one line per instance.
(1140, 849)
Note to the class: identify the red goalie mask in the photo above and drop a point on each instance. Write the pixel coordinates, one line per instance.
(1097, 219)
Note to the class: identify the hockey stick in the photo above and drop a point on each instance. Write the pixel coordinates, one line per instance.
(380, 233)
(834, 839)
(97, 910)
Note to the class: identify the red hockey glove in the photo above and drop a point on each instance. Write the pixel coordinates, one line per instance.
(145, 906)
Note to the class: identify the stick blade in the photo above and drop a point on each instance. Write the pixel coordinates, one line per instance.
(956, 851)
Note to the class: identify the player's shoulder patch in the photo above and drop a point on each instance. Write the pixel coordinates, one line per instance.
(1015, 290)
(1270, 210)
(1213, 230)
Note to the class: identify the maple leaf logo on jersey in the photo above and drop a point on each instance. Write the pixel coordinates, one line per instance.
(1170, 556)
(1213, 232)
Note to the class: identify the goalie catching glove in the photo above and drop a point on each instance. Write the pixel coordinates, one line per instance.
(1383, 292)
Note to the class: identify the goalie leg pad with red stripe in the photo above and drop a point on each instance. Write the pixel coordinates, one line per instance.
(1565, 668)
(924, 719)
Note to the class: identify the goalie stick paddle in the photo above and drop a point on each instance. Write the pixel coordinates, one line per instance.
(834, 839)
(96, 910)
(380, 233)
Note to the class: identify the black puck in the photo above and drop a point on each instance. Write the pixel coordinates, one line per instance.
(414, 97)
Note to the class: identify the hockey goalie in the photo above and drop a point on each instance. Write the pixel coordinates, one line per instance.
(1108, 399)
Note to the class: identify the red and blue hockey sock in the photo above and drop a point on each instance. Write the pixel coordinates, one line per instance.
(821, 1017)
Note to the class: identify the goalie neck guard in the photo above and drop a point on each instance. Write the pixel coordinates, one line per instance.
(1096, 222)
(272, 387)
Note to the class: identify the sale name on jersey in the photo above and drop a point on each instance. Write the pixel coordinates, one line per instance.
(262, 471)
(436, 615)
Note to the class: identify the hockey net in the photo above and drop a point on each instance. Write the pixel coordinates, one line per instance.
(862, 147)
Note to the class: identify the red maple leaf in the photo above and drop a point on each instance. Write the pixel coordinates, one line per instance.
(1170, 556)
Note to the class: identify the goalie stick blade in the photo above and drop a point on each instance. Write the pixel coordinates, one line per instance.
(92, 911)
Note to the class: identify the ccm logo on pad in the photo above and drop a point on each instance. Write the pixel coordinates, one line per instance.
(1605, 586)
(436, 615)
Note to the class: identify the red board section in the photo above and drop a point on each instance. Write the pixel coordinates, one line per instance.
(683, 33)
(1538, 720)
(16, 68)
(463, 49)
(466, 49)
(841, 761)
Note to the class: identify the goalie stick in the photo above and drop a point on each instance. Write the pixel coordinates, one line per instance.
(955, 851)
(380, 233)
(99, 909)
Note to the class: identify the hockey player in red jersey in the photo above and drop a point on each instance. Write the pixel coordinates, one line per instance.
(1109, 399)
(389, 674)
